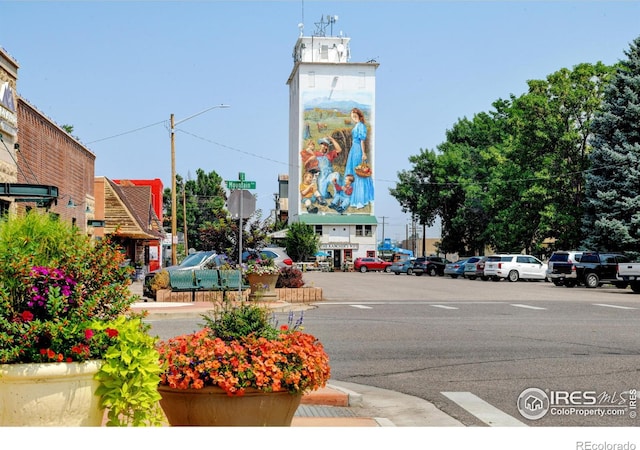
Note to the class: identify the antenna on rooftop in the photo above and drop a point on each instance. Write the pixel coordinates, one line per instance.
(321, 27)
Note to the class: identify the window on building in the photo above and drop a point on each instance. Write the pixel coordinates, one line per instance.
(318, 230)
(364, 230)
(348, 254)
(324, 52)
(371, 253)
(4, 208)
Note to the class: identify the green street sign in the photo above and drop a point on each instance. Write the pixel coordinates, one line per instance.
(241, 184)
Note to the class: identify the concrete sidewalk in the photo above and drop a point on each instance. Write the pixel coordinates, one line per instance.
(339, 404)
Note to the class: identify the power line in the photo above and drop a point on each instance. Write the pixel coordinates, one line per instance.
(126, 132)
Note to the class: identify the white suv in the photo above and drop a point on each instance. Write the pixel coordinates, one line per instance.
(515, 267)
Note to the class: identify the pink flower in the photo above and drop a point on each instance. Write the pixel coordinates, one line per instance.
(88, 333)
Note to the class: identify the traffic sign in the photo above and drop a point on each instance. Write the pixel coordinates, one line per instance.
(241, 184)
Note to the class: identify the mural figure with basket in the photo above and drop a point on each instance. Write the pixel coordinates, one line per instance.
(357, 164)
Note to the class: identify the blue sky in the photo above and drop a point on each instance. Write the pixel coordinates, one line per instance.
(117, 70)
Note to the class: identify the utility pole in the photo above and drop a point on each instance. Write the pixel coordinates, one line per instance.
(383, 217)
(174, 201)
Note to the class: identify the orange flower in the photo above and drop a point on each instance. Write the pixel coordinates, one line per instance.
(294, 362)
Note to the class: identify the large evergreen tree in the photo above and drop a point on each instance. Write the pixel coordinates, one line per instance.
(612, 207)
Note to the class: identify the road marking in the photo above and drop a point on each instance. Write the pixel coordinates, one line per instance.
(517, 305)
(487, 413)
(361, 306)
(444, 306)
(613, 306)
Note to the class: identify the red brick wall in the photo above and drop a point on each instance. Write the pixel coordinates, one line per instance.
(50, 156)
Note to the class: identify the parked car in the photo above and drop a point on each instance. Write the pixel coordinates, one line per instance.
(629, 272)
(474, 268)
(431, 265)
(455, 269)
(405, 266)
(596, 269)
(371, 264)
(515, 267)
(193, 261)
(277, 254)
(562, 268)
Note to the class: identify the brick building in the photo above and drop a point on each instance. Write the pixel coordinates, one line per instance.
(49, 155)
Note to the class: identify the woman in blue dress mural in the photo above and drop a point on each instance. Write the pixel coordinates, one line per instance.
(362, 193)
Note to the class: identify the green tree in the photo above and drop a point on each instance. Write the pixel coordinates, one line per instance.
(205, 200)
(612, 207)
(301, 241)
(416, 190)
(221, 234)
(511, 178)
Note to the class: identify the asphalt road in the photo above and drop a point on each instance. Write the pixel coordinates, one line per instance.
(472, 347)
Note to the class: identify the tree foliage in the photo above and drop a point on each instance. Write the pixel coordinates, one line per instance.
(612, 204)
(209, 224)
(301, 241)
(511, 178)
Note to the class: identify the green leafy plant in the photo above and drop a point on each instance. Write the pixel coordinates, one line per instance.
(233, 322)
(129, 376)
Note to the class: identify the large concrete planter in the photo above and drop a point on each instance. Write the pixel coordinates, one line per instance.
(212, 406)
(50, 394)
(263, 287)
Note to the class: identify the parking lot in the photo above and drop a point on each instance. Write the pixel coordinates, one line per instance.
(373, 286)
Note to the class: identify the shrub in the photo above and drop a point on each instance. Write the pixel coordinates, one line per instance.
(54, 284)
(233, 322)
(290, 277)
(160, 281)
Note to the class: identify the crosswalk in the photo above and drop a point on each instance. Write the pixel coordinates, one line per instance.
(461, 305)
(482, 410)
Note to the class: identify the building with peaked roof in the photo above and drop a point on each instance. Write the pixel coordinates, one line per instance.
(328, 145)
(130, 219)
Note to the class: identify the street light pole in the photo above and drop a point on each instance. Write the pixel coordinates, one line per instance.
(174, 216)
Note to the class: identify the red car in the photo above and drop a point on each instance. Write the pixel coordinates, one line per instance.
(371, 264)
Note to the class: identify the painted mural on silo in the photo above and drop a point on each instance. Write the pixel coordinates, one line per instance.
(336, 156)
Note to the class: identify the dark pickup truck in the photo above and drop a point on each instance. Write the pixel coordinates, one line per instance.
(594, 269)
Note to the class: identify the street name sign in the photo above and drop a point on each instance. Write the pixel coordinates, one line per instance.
(231, 184)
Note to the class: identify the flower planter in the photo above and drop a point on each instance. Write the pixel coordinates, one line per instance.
(212, 406)
(263, 287)
(50, 394)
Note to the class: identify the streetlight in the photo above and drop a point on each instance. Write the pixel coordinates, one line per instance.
(174, 217)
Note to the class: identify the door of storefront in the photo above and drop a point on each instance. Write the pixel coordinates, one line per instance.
(337, 258)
